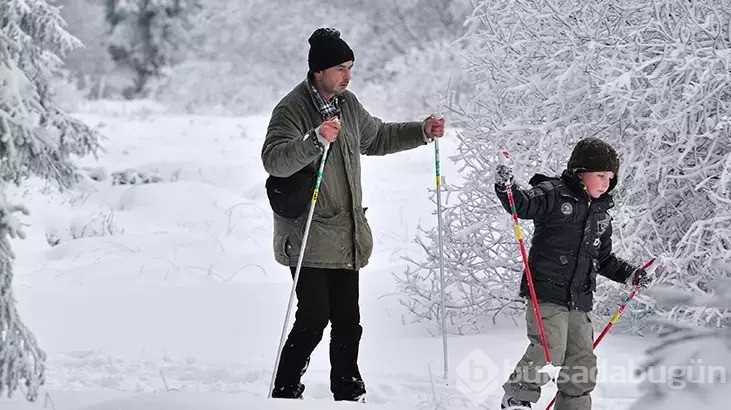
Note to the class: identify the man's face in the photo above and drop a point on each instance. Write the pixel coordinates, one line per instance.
(334, 80)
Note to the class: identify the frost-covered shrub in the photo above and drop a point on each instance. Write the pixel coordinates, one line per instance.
(85, 226)
(132, 176)
(649, 78)
(690, 366)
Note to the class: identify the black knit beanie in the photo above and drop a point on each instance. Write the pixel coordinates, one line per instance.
(327, 50)
(594, 155)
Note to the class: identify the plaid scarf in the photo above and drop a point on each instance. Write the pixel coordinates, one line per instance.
(327, 109)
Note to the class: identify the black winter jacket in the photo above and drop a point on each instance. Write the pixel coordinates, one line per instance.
(572, 240)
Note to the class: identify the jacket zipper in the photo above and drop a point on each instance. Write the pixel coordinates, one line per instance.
(572, 302)
(347, 153)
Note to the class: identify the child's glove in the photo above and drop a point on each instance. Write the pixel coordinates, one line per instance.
(644, 277)
(503, 171)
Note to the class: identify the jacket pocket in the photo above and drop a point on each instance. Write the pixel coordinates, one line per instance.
(558, 267)
(282, 247)
(330, 240)
(557, 279)
(287, 247)
(592, 275)
(364, 235)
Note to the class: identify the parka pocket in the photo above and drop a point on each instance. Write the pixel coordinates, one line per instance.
(282, 246)
(592, 275)
(330, 240)
(364, 235)
(287, 247)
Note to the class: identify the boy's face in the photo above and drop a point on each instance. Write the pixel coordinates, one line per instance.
(596, 183)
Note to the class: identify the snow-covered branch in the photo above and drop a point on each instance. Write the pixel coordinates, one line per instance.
(649, 78)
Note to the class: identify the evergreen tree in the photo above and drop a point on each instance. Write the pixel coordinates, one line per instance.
(89, 66)
(148, 36)
(36, 138)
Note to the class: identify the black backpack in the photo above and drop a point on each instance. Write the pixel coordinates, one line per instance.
(289, 197)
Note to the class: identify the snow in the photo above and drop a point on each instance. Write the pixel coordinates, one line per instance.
(167, 296)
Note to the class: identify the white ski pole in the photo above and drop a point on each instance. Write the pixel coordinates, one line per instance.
(441, 252)
(293, 292)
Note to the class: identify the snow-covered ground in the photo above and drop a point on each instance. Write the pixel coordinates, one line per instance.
(166, 296)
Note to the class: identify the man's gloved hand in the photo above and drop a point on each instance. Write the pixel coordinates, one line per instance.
(504, 171)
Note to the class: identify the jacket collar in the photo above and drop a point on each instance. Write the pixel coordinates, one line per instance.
(574, 186)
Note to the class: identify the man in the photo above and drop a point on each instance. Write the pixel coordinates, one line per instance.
(317, 113)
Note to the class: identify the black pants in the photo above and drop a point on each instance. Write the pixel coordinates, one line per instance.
(323, 295)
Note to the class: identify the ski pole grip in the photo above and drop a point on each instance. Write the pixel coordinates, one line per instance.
(505, 159)
(647, 264)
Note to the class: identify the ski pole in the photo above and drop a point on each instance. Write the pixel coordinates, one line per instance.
(617, 315)
(437, 168)
(529, 277)
(293, 292)
(623, 307)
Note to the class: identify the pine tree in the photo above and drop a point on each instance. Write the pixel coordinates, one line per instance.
(649, 78)
(148, 36)
(36, 138)
(90, 65)
(21, 359)
(405, 54)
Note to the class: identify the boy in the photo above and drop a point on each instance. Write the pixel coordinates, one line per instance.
(572, 242)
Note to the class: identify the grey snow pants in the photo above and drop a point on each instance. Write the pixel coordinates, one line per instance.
(569, 334)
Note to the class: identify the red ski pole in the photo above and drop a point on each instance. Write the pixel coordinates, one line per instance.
(529, 277)
(617, 315)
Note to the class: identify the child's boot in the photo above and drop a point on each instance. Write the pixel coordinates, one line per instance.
(511, 402)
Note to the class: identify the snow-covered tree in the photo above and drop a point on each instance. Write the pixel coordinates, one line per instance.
(22, 359)
(248, 53)
(405, 51)
(89, 66)
(411, 54)
(690, 366)
(649, 78)
(148, 36)
(36, 138)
